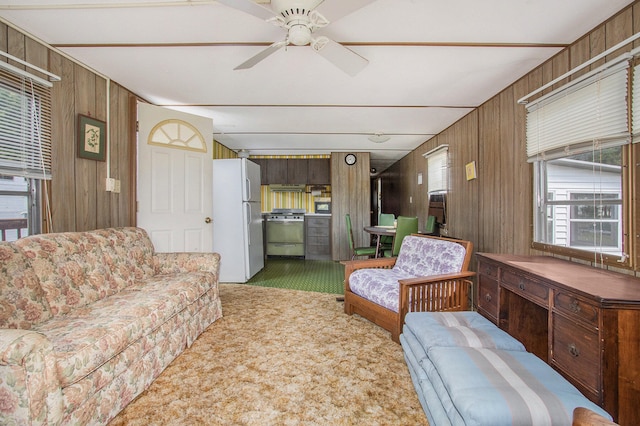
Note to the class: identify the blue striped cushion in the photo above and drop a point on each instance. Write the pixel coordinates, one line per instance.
(466, 329)
(480, 386)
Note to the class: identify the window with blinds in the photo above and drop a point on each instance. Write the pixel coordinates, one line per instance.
(576, 137)
(25, 151)
(25, 127)
(437, 169)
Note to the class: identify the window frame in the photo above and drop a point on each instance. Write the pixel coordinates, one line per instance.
(540, 205)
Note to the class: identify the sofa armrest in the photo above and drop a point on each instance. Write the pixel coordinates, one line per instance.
(30, 391)
(171, 263)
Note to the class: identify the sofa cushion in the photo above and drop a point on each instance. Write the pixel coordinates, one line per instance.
(128, 253)
(90, 336)
(464, 329)
(70, 267)
(420, 256)
(22, 301)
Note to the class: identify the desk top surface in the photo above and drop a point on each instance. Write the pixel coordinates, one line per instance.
(606, 286)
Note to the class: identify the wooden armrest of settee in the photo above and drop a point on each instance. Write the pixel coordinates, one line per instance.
(354, 265)
(449, 292)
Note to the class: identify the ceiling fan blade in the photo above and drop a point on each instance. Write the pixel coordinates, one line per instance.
(262, 55)
(249, 7)
(345, 59)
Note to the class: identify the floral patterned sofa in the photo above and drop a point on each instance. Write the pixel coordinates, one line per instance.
(89, 319)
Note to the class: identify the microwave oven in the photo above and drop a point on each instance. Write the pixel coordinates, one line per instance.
(323, 207)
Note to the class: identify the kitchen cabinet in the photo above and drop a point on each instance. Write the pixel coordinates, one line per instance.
(318, 237)
(581, 320)
(319, 171)
(276, 170)
(313, 171)
(263, 163)
(297, 171)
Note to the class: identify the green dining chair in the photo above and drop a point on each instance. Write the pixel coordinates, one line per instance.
(406, 226)
(357, 251)
(430, 227)
(386, 219)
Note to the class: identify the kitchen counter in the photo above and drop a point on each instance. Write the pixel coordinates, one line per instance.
(318, 214)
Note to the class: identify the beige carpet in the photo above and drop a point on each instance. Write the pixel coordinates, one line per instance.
(282, 357)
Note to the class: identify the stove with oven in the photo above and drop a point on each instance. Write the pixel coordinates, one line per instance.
(285, 232)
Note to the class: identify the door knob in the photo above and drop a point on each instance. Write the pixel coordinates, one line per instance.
(207, 220)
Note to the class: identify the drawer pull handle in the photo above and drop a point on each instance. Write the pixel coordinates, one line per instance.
(487, 297)
(521, 285)
(573, 350)
(574, 306)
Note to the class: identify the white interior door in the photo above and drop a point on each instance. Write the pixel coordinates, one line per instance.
(175, 179)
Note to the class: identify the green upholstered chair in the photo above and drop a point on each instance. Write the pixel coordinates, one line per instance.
(386, 219)
(430, 227)
(406, 226)
(357, 251)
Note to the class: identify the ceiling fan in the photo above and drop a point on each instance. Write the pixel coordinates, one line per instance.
(301, 19)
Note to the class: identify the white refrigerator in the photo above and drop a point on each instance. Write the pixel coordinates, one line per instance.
(237, 219)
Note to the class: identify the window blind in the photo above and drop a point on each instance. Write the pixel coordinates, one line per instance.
(635, 104)
(592, 110)
(25, 127)
(437, 172)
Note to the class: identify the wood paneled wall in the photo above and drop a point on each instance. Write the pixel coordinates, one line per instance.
(350, 193)
(78, 197)
(495, 210)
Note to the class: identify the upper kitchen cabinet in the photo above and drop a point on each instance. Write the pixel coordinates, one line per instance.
(297, 171)
(262, 162)
(319, 171)
(276, 170)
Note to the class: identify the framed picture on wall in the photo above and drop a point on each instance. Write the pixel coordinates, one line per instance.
(91, 138)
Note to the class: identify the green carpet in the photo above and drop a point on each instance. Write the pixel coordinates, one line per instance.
(324, 276)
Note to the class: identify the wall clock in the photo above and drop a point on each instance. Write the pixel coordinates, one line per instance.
(350, 159)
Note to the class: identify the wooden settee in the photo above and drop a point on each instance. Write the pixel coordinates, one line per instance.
(429, 274)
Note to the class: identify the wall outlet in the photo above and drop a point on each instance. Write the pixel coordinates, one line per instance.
(113, 185)
(110, 184)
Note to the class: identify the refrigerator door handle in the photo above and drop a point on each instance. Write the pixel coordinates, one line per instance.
(247, 189)
(248, 222)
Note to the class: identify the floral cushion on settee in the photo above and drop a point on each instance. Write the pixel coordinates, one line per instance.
(418, 257)
(89, 319)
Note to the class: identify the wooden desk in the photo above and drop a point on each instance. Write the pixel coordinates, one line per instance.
(379, 231)
(583, 321)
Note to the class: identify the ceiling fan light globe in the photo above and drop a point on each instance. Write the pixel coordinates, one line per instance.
(379, 138)
(299, 35)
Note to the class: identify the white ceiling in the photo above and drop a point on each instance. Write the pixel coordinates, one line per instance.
(430, 63)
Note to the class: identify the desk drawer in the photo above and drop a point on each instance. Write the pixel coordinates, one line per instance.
(488, 269)
(577, 308)
(526, 287)
(576, 352)
(487, 298)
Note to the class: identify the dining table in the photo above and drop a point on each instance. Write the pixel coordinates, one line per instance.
(380, 231)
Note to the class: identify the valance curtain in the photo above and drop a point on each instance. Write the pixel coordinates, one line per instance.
(592, 110)
(25, 127)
